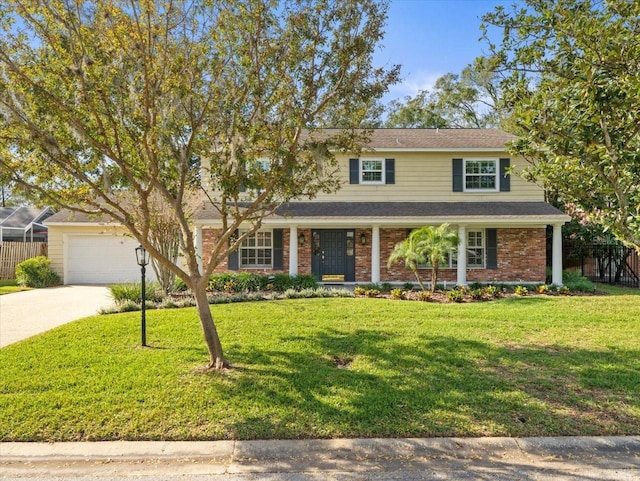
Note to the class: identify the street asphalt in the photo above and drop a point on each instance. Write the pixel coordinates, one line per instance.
(27, 313)
(527, 459)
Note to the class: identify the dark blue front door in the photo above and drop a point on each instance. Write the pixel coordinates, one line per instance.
(333, 256)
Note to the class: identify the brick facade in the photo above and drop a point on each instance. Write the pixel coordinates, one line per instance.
(521, 257)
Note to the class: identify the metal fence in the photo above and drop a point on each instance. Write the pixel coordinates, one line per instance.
(609, 264)
(13, 253)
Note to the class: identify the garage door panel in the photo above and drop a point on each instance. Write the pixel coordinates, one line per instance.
(102, 259)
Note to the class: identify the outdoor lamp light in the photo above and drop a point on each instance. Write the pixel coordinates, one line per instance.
(142, 256)
(301, 239)
(363, 238)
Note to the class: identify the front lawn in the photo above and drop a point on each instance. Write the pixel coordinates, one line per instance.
(320, 368)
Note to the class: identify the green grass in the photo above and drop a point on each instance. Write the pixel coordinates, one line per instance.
(7, 287)
(323, 368)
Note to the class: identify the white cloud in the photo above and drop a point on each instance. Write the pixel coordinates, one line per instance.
(412, 84)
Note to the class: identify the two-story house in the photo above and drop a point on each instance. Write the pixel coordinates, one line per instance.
(404, 179)
(409, 178)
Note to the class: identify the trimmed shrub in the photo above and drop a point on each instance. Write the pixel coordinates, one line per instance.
(544, 289)
(477, 294)
(359, 291)
(131, 292)
(217, 282)
(455, 295)
(576, 282)
(492, 291)
(36, 272)
(282, 282)
(397, 294)
(424, 296)
(521, 291)
(304, 282)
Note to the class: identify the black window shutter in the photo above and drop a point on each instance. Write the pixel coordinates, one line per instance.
(354, 171)
(492, 248)
(232, 260)
(278, 248)
(505, 178)
(390, 171)
(457, 175)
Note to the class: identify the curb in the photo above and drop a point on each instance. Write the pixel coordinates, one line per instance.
(529, 450)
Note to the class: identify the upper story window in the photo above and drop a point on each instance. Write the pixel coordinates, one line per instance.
(481, 174)
(372, 171)
(256, 250)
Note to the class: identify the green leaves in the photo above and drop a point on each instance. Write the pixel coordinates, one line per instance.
(572, 80)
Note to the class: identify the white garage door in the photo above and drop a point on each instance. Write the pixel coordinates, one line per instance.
(102, 259)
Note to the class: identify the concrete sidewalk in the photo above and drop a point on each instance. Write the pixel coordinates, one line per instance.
(570, 458)
(27, 313)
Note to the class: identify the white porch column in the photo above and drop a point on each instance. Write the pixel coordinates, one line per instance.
(462, 256)
(293, 250)
(198, 243)
(556, 255)
(375, 254)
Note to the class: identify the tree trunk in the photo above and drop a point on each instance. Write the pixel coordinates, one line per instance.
(216, 357)
(415, 272)
(434, 277)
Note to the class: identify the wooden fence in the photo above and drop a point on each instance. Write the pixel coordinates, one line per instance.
(13, 253)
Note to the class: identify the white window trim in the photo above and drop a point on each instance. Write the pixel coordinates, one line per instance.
(256, 266)
(483, 247)
(482, 159)
(453, 254)
(361, 171)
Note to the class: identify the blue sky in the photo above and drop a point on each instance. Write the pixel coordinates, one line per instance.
(430, 38)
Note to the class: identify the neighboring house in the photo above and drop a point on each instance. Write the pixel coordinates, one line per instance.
(406, 178)
(23, 224)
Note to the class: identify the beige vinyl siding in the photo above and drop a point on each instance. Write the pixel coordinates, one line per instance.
(427, 177)
(56, 240)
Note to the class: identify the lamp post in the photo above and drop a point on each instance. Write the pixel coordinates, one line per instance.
(142, 256)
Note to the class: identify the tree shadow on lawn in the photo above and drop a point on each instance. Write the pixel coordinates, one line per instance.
(367, 383)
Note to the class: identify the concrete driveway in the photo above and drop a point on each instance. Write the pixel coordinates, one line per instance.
(25, 314)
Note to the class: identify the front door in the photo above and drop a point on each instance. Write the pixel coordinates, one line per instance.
(333, 258)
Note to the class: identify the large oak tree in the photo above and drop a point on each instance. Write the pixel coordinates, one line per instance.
(572, 83)
(110, 106)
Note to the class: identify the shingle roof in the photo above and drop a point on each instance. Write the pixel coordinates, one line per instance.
(371, 210)
(437, 139)
(66, 215)
(422, 210)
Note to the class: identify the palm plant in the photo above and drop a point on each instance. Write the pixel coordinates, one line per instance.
(435, 244)
(406, 251)
(427, 244)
